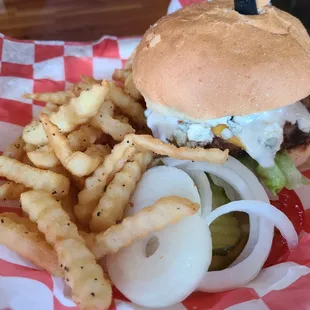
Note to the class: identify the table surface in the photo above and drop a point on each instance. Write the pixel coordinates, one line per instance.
(78, 20)
(88, 20)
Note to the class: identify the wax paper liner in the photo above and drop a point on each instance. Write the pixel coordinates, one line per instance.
(38, 66)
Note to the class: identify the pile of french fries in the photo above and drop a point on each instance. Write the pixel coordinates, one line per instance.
(74, 170)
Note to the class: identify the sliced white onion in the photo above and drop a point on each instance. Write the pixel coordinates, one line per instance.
(172, 162)
(259, 194)
(228, 175)
(184, 253)
(257, 249)
(264, 210)
(204, 189)
(244, 183)
(162, 181)
(229, 190)
(233, 277)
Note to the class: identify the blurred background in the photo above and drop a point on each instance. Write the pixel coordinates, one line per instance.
(88, 20)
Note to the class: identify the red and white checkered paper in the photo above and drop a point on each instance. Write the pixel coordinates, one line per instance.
(38, 66)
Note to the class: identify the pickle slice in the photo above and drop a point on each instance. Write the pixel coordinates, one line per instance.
(228, 237)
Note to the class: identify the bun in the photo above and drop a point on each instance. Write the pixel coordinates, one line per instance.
(207, 61)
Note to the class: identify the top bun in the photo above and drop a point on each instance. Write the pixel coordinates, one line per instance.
(206, 61)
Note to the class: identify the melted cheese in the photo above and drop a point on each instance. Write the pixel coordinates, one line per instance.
(221, 131)
(260, 134)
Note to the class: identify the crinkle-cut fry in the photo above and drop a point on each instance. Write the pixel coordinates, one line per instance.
(81, 271)
(89, 238)
(61, 170)
(22, 220)
(90, 196)
(29, 148)
(122, 118)
(16, 149)
(36, 178)
(79, 182)
(68, 202)
(130, 88)
(116, 197)
(33, 133)
(91, 290)
(44, 157)
(79, 140)
(11, 190)
(80, 109)
(85, 84)
(83, 213)
(78, 88)
(58, 97)
(49, 108)
(90, 80)
(25, 160)
(49, 215)
(215, 156)
(98, 152)
(83, 137)
(69, 116)
(164, 211)
(78, 163)
(127, 104)
(20, 236)
(120, 75)
(103, 175)
(105, 120)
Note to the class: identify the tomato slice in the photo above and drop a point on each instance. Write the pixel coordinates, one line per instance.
(306, 173)
(290, 204)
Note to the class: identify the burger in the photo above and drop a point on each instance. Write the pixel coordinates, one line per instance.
(212, 77)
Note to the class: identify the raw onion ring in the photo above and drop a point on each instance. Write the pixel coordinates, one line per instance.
(230, 278)
(257, 249)
(230, 171)
(262, 209)
(204, 189)
(178, 265)
(231, 194)
(169, 181)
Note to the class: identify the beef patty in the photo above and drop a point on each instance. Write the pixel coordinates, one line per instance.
(292, 137)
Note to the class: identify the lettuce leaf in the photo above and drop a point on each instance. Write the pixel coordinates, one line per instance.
(283, 174)
(272, 178)
(293, 177)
